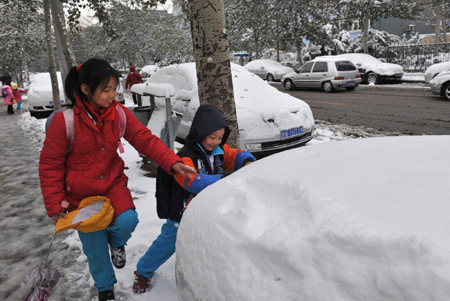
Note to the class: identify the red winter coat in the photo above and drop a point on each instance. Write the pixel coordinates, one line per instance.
(93, 166)
(132, 78)
(17, 95)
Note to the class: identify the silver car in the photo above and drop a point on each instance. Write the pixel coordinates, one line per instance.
(267, 69)
(440, 84)
(327, 73)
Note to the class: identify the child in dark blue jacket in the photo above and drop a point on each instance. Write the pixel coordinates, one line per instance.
(205, 151)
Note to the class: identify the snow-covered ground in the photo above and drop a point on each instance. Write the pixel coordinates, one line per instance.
(76, 280)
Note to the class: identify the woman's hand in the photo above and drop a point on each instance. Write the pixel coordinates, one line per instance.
(184, 169)
(55, 217)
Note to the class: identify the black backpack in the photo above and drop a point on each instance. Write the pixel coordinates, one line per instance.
(163, 193)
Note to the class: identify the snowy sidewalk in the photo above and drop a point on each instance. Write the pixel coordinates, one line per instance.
(25, 228)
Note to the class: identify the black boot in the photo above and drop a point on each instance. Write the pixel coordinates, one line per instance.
(106, 296)
(118, 256)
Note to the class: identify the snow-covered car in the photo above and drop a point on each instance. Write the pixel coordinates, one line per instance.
(435, 69)
(40, 95)
(372, 70)
(269, 120)
(267, 69)
(148, 70)
(361, 219)
(440, 84)
(327, 73)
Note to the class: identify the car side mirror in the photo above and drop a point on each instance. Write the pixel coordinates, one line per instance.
(358, 64)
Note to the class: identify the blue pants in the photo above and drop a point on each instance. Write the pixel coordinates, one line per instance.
(160, 250)
(19, 105)
(95, 246)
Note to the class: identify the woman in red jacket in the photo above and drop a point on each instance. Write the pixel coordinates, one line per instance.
(92, 166)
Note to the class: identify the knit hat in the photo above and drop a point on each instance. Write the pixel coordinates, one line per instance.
(14, 86)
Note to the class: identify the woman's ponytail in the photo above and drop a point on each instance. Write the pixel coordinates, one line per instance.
(72, 86)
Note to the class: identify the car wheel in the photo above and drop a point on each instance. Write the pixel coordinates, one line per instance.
(446, 91)
(350, 88)
(372, 78)
(289, 85)
(327, 87)
(270, 78)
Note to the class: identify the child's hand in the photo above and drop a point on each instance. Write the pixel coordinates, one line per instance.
(184, 169)
(55, 217)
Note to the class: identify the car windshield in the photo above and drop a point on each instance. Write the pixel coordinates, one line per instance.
(345, 66)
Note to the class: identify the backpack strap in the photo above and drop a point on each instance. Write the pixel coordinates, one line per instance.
(70, 127)
(122, 126)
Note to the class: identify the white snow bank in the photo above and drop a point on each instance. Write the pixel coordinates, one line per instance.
(363, 219)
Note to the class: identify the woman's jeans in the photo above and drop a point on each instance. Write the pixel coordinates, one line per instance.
(95, 246)
(160, 250)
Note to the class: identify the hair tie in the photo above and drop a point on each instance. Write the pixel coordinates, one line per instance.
(79, 68)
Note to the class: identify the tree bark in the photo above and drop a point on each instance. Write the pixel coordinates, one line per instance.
(51, 56)
(212, 60)
(60, 28)
(366, 31)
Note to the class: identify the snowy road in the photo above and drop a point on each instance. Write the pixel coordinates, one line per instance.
(26, 230)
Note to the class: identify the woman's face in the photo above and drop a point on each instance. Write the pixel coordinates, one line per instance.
(213, 139)
(103, 96)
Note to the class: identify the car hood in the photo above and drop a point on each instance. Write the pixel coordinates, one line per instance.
(442, 77)
(262, 110)
(435, 69)
(387, 69)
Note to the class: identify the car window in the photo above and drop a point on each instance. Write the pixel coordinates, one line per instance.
(320, 67)
(345, 66)
(306, 68)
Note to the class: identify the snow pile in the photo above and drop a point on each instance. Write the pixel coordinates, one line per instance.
(363, 219)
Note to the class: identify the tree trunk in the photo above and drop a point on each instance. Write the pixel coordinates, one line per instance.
(212, 60)
(366, 31)
(60, 27)
(298, 47)
(51, 56)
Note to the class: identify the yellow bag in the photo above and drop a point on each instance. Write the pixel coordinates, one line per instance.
(94, 213)
(14, 101)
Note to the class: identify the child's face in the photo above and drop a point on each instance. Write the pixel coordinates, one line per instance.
(213, 139)
(103, 97)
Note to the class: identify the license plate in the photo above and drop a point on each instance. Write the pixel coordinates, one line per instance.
(285, 134)
(350, 84)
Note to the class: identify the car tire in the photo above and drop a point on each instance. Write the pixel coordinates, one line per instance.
(270, 78)
(289, 85)
(372, 78)
(446, 91)
(327, 87)
(350, 88)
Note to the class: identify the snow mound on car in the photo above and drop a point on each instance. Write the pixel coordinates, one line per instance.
(363, 219)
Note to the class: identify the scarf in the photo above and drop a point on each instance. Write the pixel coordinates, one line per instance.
(100, 114)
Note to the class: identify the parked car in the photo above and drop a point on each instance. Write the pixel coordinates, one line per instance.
(435, 69)
(327, 73)
(269, 120)
(440, 84)
(372, 70)
(267, 69)
(148, 70)
(40, 95)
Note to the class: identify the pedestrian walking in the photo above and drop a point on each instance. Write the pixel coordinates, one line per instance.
(8, 98)
(88, 164)
(18, 95)
(133, 78)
